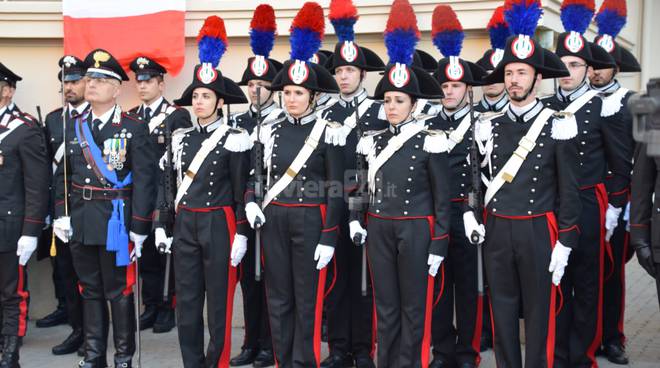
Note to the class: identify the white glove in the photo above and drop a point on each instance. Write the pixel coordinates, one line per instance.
(138, 240)
(62, 228)
(355, 228)
(26, 246)
(252, 212)
(611, 220)
(160, 237)
(471, 225)
(558, 262)
(323, 254)
(434, 263)
(238, 249)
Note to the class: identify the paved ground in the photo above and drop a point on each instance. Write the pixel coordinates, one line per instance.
(161, 351)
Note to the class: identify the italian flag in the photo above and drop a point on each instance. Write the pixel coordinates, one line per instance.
(127, 29)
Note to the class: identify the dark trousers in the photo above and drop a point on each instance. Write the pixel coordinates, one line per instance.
(579, 324)
(349, 313)
(152, 273)
(458, 344)
(14, 295)
(255, 311)
(516, 255)
(202, 245)
(68, 283)
(295, 289)
(614, 287)
(403, 290)
(102, 280)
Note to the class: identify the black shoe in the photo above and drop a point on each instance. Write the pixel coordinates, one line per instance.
(439, 363)
(616, 354)
(265, 358)
(58, 317)
(93, 363)
(148, 317)
(123, 364)
(71, 344)
(364, 361)
(485, 343)
(246, 356)
(337, 361)
(164, 320)
(10, 352)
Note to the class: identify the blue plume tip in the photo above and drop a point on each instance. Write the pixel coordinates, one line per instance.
(610, 22)
(401, 45)
(449, 43)
(304, 43)
(211, 50)
(498, 36)
(344, 28)
(262, 42)
(576, 18)
(523, 18)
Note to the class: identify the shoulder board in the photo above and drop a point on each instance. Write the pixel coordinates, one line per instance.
(564, 126)
(134, 110)
(372, 133)
(57, 111)
(238, 140)
(132, 116)
(488, 116)
(545, 96)
(27, 119)
(435, 141)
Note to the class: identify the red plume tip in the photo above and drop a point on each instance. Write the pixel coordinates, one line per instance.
(214, 27)
(402, 16)
(264, 18)
(445, 19)
(497, 18)
(589, 4)
(340, 9)
(618, 6)
(310, 17)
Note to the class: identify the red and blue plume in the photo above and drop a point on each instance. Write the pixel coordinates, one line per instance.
(343, 15)
(401, 33)
(447, 31)
(307, 31)
(577, 14)
(212, 40)
(523, 16)
(498, 29)
(611, 17)
(262, 30)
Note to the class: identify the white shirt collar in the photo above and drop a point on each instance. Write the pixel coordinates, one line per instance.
(105, 117)
(78, 109)
(153, 106)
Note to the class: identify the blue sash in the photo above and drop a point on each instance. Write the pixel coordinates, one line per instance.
(117, 238)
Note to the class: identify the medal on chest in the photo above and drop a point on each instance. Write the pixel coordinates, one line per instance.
(114, 150)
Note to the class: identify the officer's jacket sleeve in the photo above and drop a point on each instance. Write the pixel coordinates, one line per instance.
(438, 166)
(618, 149)
(249, 194)
(641, 204)
(58, 181)
(334, 195)
(569, 204)
(143, 158)
(239, 167)
(36, 178)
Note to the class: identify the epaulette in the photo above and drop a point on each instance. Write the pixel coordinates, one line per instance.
(366, 143)
(238, 140)
(435, 141)
(612, 103)
(336, 133)
(564, 126)
(490, 115)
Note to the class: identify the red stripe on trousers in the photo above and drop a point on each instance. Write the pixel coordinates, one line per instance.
(601, 195)
(231, 287)
(552, 314)
(130, 273)
(622, 307)
(320, 295)
(374, 315)
(23, 304)
(426, 339)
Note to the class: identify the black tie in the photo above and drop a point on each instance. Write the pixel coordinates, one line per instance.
(96, 126)
(74, 114)
(147, 114)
